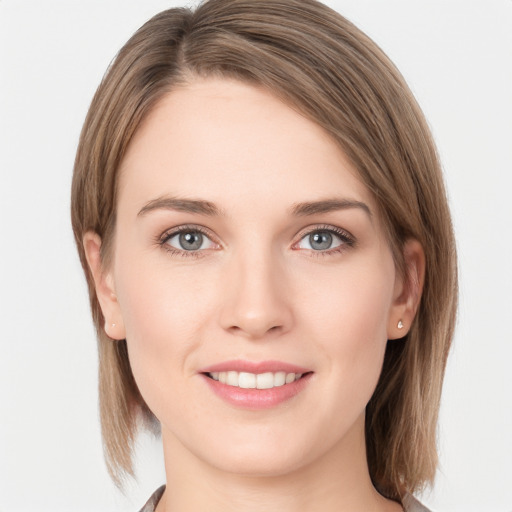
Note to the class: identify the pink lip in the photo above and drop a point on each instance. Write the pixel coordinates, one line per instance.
(256, 399)
(254, 367)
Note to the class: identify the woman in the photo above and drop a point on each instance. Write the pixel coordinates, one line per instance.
(261, 217)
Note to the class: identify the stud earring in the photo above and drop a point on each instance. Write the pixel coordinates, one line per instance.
(109, 326)
(400, 324)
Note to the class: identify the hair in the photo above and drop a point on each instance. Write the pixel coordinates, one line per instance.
(321, 65)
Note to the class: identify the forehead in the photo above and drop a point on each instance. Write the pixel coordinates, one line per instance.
(227, 141)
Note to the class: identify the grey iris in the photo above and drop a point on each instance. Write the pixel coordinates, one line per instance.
(191, 240)
(320, 240)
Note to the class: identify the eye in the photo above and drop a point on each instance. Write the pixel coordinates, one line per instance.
(189, 240)
(324, 240)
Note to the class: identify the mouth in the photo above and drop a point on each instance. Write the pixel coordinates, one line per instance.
(250, 385)
(246, 380)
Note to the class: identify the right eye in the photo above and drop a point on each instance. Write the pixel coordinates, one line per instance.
(189, 240)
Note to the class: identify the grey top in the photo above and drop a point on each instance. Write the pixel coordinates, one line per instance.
(410, 503)
(153, 501)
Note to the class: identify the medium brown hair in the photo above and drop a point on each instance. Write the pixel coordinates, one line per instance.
(324, 67)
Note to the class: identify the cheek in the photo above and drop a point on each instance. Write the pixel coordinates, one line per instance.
(348, 324)
(353, 304)
(160, 298)
(348, 319)
(164, 314)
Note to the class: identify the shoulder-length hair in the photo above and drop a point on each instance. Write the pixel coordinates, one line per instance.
(320, 64)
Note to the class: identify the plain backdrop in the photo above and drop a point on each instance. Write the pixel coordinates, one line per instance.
(457, 57)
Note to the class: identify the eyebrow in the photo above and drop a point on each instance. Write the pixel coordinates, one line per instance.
(199, 206)
(203, 207)
(328, 205)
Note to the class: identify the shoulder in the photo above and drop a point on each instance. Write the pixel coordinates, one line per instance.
(411, 504)
(153, 501)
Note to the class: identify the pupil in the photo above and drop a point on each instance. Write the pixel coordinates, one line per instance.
(320, 241)
(191, 241)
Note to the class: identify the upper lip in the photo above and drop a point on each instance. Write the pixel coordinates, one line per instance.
(254, 367)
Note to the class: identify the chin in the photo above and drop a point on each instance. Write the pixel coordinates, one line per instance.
(252, 463)
(260, 451)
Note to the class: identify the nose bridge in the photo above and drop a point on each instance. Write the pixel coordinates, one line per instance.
(256, 302)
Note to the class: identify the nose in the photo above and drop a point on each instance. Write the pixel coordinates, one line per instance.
(257, 303)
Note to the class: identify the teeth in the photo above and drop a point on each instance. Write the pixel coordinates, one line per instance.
(265, 380)
(279, 379)
(247, 380)
(232, 379)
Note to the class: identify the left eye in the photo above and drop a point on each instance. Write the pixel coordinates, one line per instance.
(189, 240)
(321, 241)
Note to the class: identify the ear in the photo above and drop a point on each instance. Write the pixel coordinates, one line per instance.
(105, 290)
(408, 289)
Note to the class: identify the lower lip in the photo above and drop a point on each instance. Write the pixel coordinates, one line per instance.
(257, 399)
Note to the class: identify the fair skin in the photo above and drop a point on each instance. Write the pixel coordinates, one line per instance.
(283, 258)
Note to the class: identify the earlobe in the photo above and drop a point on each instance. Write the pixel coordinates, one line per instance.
(105, 288)
(408, 290)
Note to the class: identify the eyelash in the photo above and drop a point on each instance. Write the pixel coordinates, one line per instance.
(167, 235)
(347, 239)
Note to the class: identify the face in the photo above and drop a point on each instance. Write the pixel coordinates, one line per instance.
(252, 280)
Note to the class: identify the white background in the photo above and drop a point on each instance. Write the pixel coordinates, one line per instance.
(457, 57)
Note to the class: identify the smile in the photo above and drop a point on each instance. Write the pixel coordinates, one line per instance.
(256, 385)
(246, 380)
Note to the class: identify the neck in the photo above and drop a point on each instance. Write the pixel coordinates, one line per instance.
(338, 481)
